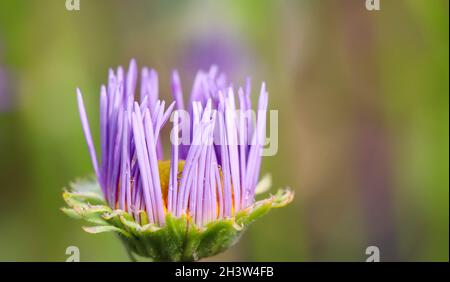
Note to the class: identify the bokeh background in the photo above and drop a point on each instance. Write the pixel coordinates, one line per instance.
(363, 117)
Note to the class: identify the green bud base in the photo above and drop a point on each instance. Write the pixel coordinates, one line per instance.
(178, 240)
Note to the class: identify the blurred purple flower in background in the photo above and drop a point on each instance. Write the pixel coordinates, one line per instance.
(6, 97)
(229, 52)
(7, 100)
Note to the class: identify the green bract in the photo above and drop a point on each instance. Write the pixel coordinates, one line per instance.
(179, 240)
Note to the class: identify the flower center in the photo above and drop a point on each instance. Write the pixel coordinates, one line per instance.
(164, 176)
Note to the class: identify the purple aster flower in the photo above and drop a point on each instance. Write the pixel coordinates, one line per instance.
(210, 177)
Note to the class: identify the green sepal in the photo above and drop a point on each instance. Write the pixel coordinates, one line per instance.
(178, 240)
(102, 229)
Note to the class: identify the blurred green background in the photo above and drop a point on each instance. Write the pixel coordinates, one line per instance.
(363, 117)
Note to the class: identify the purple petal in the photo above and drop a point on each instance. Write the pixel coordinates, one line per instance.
(87, 134)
